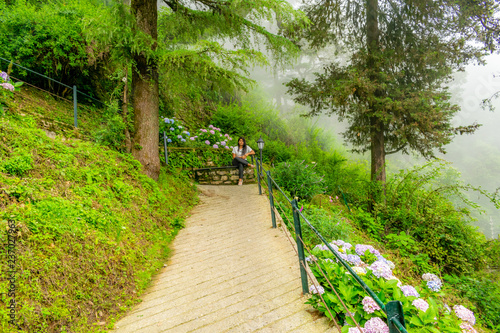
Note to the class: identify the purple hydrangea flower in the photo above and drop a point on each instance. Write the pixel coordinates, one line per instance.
(465, 314)
(321, 247)
(381, 269)
(183, 140)
(215, 146)
(223, 143)
(203, 130)
(172, 129)
(179, 136)
(376, 325)
(210, 126)
(388, 262)
(354, 259)
(334, 246)
(341, 243)
(316, 290)
(420, 304)
(362, 248)
(409, 291)
(4, 76)
(226, 147)
(369, 305)
(207, 142)
(192, 138)
(311, 259)
(356, 330)
(212, 132)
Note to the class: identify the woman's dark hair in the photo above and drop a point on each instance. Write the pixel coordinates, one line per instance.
(244, 148)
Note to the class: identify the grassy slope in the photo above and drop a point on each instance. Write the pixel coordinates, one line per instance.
(93, 229)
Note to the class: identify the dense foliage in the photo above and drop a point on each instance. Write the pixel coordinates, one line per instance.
(49, 38)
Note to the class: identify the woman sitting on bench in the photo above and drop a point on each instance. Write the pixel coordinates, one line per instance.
(240, 154)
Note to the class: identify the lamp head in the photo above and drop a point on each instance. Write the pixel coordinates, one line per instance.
(260, 143)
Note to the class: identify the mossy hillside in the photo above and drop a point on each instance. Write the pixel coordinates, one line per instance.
(92, 227)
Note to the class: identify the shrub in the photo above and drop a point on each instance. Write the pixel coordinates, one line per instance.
(49, 38)
(299, 178)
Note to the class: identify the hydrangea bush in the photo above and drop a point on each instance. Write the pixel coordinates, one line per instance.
(174, 130)
(423, 310)
(213, 137)
(7, 88)
(210, 137)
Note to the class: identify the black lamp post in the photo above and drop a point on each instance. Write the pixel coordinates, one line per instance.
(260, 144)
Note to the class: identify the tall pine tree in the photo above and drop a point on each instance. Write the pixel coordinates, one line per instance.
(392, 90)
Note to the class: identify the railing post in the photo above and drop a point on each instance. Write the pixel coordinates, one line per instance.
(258, 175)
(75, 106)
(300, 247)
(395, 317)
(271, 199)
(165, 146)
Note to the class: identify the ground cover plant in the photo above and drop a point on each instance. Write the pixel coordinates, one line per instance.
(92, 228)
(424, 310)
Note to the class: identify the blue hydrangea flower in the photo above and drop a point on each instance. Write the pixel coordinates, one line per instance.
(434, 285)
(172, 129)
(169, 140)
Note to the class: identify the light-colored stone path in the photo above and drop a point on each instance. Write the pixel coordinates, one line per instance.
(229, 272)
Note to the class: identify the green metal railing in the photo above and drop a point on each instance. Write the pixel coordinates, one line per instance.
(74, 89)
(393, 309)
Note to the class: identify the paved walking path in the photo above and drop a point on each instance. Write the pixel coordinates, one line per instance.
(230, 272)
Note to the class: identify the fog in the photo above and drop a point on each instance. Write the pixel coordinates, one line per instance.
(476, 156)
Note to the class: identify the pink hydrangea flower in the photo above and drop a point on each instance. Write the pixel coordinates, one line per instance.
(420, 304)
(409, 291)
(369, 305)
(7, 86)
(376, 325)
(467, 328)
(465, 314)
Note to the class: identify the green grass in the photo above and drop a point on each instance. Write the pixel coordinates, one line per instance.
(93, 228)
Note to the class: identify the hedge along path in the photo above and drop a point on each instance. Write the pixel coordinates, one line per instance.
(230, 272)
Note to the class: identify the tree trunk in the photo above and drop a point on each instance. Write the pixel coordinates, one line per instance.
(376, 124)
(128, 141)
(145, 93)
(377, 150)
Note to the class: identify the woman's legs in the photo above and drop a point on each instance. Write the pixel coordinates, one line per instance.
(240, 163)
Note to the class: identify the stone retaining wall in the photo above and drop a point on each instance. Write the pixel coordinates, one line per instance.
(223, 176)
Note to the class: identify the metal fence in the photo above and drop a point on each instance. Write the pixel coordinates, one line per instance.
(74, 89)
(393, 309)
